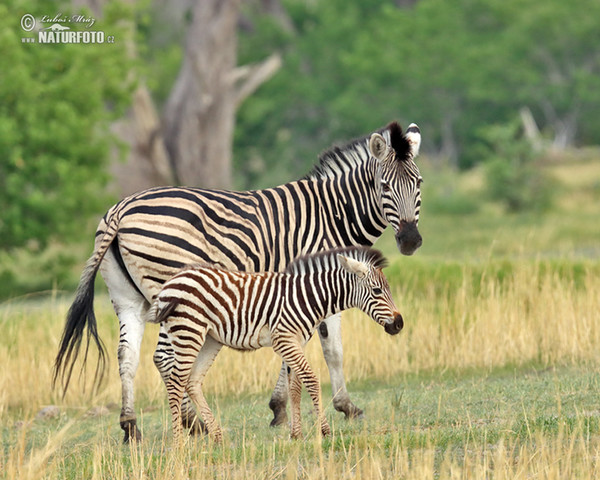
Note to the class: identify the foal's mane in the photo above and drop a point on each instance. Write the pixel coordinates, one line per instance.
(328, 260)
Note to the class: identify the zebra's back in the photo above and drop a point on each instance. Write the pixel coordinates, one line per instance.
(237, 309)
(163, 229)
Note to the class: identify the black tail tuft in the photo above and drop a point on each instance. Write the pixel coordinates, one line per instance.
(81, 317)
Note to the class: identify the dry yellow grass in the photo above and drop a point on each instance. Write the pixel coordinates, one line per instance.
(529, 316)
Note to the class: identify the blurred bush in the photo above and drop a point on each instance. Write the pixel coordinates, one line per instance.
(513, 174)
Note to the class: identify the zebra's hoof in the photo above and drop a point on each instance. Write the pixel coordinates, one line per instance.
(279, 413)
(353, 413)
(196, 426)
(279, 419)
(132, 433)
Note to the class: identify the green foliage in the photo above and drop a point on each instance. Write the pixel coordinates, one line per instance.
(55, 105)
(451, 67)
(445, 195)
(512, 175)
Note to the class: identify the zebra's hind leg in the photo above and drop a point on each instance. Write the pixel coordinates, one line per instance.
(205, 359)
(295, 397)
(163, 360)
(130, 306)
(184, 359)
(291, 351)
(279, 398)
(330, 334)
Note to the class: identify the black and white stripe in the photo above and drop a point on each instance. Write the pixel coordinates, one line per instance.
(348, 199)
(247, 311)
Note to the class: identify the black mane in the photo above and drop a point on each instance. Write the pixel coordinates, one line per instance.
(398, 141)
(339, 159)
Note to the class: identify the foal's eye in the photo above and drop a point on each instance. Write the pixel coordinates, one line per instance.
(385, 186)
(377, 291)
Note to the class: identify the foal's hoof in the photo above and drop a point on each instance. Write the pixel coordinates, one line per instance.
(132, 433)
(196, 427)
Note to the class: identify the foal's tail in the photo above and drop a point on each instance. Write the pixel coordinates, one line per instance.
(81, 315)
(158, 314)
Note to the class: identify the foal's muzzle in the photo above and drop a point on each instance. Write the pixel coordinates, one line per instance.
(408, 238)
(395, 327)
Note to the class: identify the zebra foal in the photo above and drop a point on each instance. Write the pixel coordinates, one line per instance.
(204, 307)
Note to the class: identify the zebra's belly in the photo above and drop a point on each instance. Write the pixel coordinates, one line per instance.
(258, 339)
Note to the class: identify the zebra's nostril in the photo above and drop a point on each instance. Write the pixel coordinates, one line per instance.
(396, 326)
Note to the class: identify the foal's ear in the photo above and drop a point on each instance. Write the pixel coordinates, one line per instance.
(353, 266)
(378, 146)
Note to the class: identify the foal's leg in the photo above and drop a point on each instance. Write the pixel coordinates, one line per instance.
(295, 397)
(291, 352)
(163, 360)
(330, 334)
(184, 358)
(205, 359)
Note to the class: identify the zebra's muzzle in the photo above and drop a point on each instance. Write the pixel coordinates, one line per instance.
(408, 238)
(395, 327)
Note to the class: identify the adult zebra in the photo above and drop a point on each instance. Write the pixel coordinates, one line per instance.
(347, 199)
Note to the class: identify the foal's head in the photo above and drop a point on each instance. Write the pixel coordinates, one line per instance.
(370, 289)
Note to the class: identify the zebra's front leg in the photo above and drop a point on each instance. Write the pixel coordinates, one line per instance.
(292, 353)
(330, 334)
(279, 398)
(163, 360)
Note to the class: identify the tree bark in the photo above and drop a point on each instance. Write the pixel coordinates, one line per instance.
(199, 116)
(191, 142)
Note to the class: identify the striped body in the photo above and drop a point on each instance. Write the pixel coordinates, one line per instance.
(247, 311)
(348, 199)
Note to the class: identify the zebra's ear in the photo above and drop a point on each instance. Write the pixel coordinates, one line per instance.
(353, 266)
(413, 135)
(378, 146)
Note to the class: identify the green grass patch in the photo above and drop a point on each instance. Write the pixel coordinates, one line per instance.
(451, 412)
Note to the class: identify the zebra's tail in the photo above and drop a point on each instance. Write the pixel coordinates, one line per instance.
(159, 315)
(81, 317)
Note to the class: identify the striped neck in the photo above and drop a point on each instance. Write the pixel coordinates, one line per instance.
(334, 287)
(351, 210)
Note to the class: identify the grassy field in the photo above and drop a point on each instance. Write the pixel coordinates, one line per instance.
(496, 374)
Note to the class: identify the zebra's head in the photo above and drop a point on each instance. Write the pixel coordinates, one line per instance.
(371, 289)
(398, 183)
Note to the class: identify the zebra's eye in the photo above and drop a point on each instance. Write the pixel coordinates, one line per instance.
(377, 291)
(419, 182)
(385, 187)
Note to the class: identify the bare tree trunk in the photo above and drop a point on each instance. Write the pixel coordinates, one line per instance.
(148, 163)
(191, 142)
(198, 119)
(532, 132)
